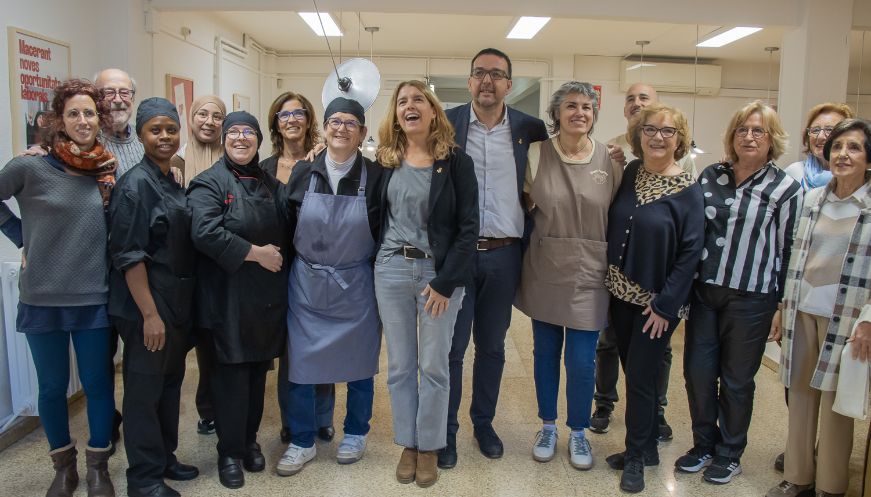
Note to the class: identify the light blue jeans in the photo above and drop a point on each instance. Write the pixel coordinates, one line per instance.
(417, 351)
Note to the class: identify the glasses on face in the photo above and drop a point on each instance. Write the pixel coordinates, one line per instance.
(246, 133)
(495, 74)
(756, 133)
(336, 123)
(296, 115)
(816, 130)
(76, 114)
(651, 131)
(124, 93)
(204, 116)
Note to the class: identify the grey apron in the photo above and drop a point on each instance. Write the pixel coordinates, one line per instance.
(333, 328)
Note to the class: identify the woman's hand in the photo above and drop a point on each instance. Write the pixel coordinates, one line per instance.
(154, 332)
(861, 340)
(776, 327)
(616, 154)
(436, 304)
(656, 324)
(310, 156)
(268, 256)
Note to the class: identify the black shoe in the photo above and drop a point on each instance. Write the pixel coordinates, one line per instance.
(778, 463)
(230, 472)
(489, 442)
(285, 435)
(159, 490)
(116, 432)
(600, 421)
(695, 460)
(632, 479)
(180, 472)
(254, 460)
(206, 426)
(448, 455)
(326, 433)
(722, 470)
(665, 431)
(617, 461)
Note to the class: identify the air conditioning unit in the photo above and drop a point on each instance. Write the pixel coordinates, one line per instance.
(672, 77)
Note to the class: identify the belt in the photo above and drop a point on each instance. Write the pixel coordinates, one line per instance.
(410, 252)
(485, 244)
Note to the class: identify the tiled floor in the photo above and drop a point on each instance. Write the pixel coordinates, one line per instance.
(25, 468)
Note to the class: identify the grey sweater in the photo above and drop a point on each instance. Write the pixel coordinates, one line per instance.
(64, 230)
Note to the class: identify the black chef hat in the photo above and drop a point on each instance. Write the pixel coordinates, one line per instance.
(154, 107)
(347, 106)
(242, 117)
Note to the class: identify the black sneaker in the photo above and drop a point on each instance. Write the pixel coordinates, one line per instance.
(665, 432)
(722, 469)
(694, 460)
(632, 479)
(600, 420)
(618, 460)
(778, 463)
(206, 426)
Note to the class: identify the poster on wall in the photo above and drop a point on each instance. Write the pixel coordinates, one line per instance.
(180, 91)
(37, 64)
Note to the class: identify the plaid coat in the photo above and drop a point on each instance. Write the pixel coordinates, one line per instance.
(852, 301)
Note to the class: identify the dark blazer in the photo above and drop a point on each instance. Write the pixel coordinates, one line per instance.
(270, 165)
(452, 227)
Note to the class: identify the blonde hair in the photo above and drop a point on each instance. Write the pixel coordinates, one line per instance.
(392, 140)
(837, 108)
(633, 131)
(770, 122)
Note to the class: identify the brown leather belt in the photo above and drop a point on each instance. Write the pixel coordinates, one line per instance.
(485, 244)
(410, 252)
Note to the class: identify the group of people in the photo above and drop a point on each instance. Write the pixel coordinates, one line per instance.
(310, 255)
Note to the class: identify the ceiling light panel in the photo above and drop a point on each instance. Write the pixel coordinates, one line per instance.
(330, 26)
(727, 37)
(527, 27)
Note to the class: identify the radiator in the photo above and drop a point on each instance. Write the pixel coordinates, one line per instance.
(22, 374)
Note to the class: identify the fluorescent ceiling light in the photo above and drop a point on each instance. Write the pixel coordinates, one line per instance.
(640, 65)
(527, 27)
(311, 18)
(727, 37)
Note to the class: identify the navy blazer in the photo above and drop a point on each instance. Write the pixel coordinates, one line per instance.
(525, 129)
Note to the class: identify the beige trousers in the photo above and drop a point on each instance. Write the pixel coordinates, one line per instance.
(809, 407)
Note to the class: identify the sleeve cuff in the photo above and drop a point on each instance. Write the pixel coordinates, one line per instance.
(865, 315)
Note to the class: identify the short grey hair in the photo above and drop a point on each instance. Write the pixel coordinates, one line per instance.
(98, 73)
(559, 97)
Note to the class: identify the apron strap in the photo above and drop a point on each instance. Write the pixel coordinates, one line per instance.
(361, 192)
(313, 181)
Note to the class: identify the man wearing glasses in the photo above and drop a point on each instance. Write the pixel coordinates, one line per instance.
(497, 138)
(119, 90)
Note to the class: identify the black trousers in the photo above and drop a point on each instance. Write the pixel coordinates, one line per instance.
(206, 364)
(608, 367)
(725, 340)
(151, 406)
(237, 391)
(642, 361)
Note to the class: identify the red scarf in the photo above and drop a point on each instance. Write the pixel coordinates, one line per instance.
(97, 162)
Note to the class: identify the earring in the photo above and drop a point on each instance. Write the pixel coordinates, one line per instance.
(397, 127)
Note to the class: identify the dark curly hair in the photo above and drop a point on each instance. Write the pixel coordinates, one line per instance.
(312, 135)
(63, 92)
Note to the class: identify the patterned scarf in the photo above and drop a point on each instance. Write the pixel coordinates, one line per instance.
(97, 162)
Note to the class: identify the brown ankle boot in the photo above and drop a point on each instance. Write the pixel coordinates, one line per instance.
(99, 483)
(407, 465)
(66, 477)
(427, 472)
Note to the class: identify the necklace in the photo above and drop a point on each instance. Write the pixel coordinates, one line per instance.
(573, 154)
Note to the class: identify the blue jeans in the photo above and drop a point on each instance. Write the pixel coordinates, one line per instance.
(580, 359)
(302, 418)
(51, 356)
(417, 351)
(325, 396)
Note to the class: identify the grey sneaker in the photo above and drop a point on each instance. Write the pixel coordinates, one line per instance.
(545, 445)
(580, 452)
(294, 459)
(351, 449)
(787, 489)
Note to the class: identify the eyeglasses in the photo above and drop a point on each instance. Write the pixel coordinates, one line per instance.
(296, 115)
(246, 133)
(124, 93)
(816, 130)
(336, 123)
(651, 131)
(756, 133)
(495, 74)
(75, 114)
(204, 116)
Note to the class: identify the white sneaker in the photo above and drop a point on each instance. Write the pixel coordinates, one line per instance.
(351, 449)
(294, 459)
(545, 445)
(580, 452)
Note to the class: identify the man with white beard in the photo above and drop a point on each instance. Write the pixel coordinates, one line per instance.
(119, 91)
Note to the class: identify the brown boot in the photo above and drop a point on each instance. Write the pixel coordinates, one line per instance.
(99, 483)
(407, 465)
(427, 472)
(66, 478)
